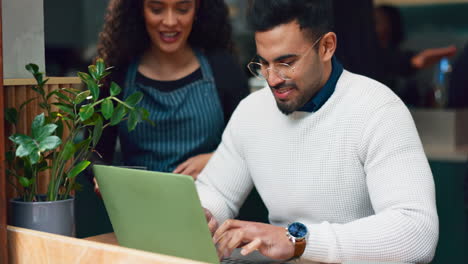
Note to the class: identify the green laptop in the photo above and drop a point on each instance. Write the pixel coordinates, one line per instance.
(157, 212)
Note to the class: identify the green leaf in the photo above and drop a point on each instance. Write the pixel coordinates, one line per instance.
(78, 168)
(43, 105)
(59, 131)
(44, 82)
(27, 102)
(134, 99)
(11, 115)
(83, 144)
(60, 95)
(68, 151)
(65, 108)
(37, 123)
(93, 72)
(97, 132)
(85, 77)
(72, 91)
(118, 115)
(49, 143)
(100, 67)
(86, 112)
(34, 156)
(24, 182)
(23, 151)
(44, 132)
(38, 76)
(145, 115)
(107, 108)
(81, 97)
(104, 75)
(92, 120)
(115, 89)
(133, 120)
(21, 139)
(94, 88)
(32, 68)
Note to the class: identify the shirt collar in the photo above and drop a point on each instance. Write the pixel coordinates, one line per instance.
(319, 99)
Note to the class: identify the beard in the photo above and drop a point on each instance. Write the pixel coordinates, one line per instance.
(292, 105)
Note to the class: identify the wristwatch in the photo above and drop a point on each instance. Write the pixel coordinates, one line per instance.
(297, 233)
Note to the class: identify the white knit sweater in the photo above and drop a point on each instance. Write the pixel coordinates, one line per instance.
(354, 173)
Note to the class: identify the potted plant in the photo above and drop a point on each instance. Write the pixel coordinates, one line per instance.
(60, 143)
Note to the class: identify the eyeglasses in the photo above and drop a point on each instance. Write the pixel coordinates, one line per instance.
(282, 70)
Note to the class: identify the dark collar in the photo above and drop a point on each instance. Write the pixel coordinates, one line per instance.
(319, 99)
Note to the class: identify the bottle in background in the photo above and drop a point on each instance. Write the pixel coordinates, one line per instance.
(441, 78)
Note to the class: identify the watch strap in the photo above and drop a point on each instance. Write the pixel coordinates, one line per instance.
(299, 248)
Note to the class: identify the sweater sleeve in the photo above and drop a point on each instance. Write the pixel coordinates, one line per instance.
(401, 188)
(225, 182)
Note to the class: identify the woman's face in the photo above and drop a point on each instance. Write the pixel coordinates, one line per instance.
(169, 23)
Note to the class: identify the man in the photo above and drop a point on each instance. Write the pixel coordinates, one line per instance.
(335, 156)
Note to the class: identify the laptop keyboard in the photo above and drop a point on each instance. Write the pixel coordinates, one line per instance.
(236, 261)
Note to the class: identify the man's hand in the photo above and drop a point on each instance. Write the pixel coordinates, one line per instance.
(429, 57)
(270, 240)
(212, 223)
(194, 165)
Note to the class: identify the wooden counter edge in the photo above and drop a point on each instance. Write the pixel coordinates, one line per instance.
(108, 238)
(25, 245)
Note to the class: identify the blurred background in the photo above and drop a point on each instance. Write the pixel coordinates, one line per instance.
(71, 29)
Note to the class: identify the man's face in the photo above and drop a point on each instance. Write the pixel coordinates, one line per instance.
(286, 43)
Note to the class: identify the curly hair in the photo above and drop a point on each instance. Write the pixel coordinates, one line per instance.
(124, 34)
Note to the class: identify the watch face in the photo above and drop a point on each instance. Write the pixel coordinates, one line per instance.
(297, 230)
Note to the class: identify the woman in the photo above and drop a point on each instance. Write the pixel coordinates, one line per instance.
(178, 53)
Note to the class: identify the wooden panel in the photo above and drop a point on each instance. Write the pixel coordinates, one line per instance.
(52, 80)
(17, 91)
(3, 200)
(27, 246)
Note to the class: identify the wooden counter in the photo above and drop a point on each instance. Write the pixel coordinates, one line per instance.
(27, 246)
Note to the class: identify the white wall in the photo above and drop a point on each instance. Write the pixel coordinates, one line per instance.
(23, 36)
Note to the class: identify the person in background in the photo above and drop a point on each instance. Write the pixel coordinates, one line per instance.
(397, 62)
(335, 155)
(179, 54)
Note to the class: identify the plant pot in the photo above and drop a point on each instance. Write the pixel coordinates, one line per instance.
(56, 217)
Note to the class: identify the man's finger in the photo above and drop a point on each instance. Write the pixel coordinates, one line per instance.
(236, 239)
(227, 225)
(221, 244)
(213, 225)
(251, 247)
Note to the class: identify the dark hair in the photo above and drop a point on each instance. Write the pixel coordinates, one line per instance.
(124, 34)
(315, 16)
(396, 24)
